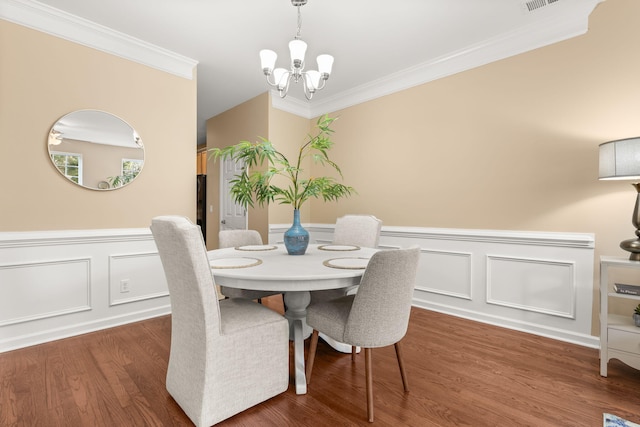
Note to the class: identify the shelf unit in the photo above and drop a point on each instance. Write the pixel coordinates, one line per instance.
(619, 337)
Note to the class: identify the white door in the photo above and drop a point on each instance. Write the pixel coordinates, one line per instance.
(232, 215)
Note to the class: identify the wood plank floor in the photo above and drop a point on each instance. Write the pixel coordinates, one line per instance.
(461, 373)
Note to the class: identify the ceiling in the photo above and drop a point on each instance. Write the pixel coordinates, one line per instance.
(376, 43)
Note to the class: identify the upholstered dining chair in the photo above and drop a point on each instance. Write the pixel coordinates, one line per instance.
(216, 346)
(359, 230)
(234, 239)
(376, 316)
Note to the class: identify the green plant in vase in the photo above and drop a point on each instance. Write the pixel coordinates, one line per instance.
(636, 315)
(256, 185)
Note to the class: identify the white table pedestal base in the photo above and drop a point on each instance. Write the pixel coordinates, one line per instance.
(296, 314)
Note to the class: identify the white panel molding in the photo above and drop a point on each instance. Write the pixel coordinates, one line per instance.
(30, 239)
(561, 334)
(438, 272)
(570, 21)
(78, 299)
(569, 299)
(138, 268)
(30, 338)
(56, 22)
(32, 268)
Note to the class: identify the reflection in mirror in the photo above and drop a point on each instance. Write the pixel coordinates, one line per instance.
(96, 149)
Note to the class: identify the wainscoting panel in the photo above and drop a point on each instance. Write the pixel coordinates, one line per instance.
(56, 284)
(534, 285)
(38, 290)
(136, 277)
(536, 282)
(450, 273)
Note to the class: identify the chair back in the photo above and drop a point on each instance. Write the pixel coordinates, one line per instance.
(235, 238)
(380, 312)
(359, 230)
(194, 303)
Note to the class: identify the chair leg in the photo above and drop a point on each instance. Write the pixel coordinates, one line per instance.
(369, 379)
(403, 372)
(313, 345)
(353, 353)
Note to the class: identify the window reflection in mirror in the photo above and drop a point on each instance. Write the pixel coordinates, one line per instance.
(96, 149)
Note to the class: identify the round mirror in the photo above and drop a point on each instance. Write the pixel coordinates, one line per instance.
(96, 150)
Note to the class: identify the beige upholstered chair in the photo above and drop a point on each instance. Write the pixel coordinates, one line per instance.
(376, 316)
(233, 239)
(216, 346)
(359, 230)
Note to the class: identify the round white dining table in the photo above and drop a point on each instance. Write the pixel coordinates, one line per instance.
(271, 268)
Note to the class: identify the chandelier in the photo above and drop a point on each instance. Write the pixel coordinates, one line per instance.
(280, 78)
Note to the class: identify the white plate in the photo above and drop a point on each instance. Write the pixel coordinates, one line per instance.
(256, 248)
(338, 248)
(350, 263)
(241, 262)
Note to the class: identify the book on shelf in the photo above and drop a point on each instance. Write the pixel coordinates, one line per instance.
(622, 288)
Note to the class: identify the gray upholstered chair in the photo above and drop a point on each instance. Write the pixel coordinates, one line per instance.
(216, 346)
(376, 316)
(233, 239)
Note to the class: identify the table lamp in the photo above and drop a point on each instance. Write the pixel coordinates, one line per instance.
(620, 159)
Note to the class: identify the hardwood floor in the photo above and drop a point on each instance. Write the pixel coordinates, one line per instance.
(461, 373)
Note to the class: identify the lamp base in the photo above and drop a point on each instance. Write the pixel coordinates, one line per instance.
(633, 246)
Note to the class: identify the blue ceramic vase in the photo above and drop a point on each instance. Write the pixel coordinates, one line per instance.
(296, 239)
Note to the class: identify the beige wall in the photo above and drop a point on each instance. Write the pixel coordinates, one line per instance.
(288, 133)
(512, 145)
(247, 121)
(43, 78)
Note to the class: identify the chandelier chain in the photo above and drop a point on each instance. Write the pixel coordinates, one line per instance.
(299, 24)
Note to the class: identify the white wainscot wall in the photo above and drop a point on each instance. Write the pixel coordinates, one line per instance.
(64, 283)
(57, 284)
(541, 283)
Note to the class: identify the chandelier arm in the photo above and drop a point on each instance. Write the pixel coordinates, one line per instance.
(307, 92)
(283, 92)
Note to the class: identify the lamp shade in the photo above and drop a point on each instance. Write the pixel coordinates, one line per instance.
(297, 48)
(620, 159)
(281, 77)
(268, 59)
(312, 80)
(325, 63)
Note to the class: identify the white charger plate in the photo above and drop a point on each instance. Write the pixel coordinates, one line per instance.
(256, 248)
(338, 248)
(238, 262)
(349, 263)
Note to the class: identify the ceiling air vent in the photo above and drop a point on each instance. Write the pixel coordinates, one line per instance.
(532, 5)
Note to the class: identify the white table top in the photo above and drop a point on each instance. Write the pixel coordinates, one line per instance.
(271, 268)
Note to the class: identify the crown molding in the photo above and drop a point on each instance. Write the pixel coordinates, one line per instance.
(47, 19)
(570, 21)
